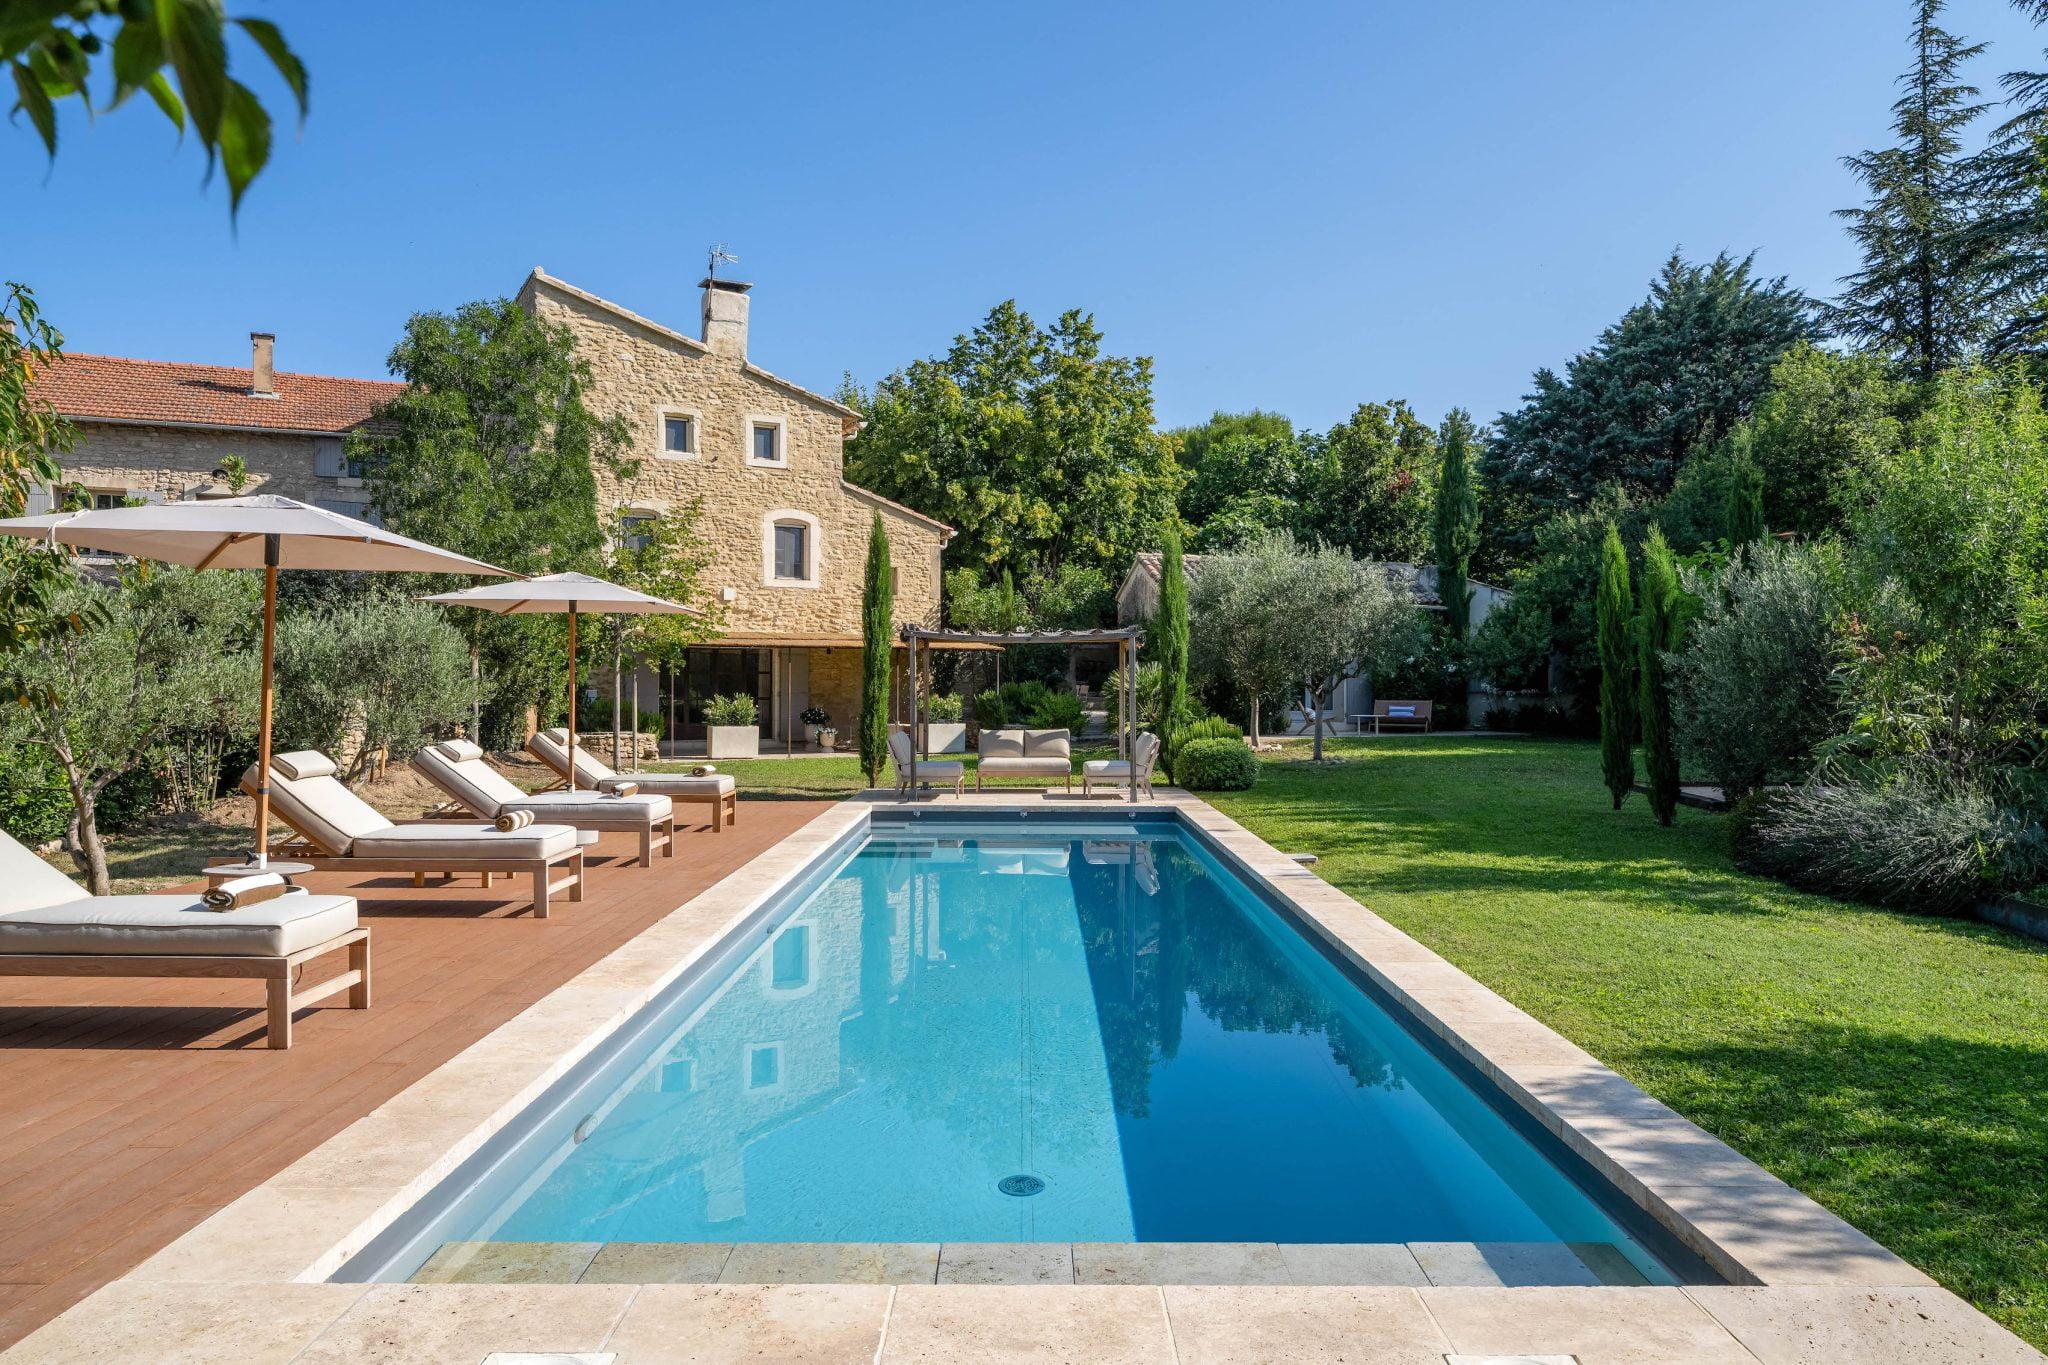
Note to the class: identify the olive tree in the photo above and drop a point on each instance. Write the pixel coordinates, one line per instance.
(386, 674)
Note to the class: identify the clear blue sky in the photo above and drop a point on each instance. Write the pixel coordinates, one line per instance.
(1296, 207)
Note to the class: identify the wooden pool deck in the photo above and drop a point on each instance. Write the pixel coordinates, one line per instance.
(136, 1108)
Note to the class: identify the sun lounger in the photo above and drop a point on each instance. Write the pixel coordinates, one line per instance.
(717, 790)
(928, 769)
(1026, 753)
(338, 829)
(459, 768)
(1116, 772)
(49, 928)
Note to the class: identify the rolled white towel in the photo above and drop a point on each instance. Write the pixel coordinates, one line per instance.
(237, 893)
(625, 788)
(513, 820)
(704, 770)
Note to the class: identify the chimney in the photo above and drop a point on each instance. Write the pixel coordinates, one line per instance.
(262, 365)
(725, 315)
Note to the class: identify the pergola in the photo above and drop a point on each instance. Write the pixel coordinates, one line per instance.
(1125, 638)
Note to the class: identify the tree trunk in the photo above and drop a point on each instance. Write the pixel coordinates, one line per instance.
(476, 691)
(82, 834)
(1317, 705)
(618, 700)
(1255, 720)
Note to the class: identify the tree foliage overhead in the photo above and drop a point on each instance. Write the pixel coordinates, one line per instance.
(32, 435)
(1375, 483)
(1922, 296)
(1247, 472)
(1667, 382)
(1033, 443)
(51, 47)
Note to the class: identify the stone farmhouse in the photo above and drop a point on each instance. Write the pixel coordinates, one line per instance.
(762, 456)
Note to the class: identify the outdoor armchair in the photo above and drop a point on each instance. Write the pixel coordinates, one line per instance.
(928, 769)
(1116, 772)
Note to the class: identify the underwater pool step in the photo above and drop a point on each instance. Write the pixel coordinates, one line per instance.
(1285, 1263)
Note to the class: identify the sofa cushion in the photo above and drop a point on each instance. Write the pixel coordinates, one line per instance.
(451, 840)
(303, 763)
(1039, 743)
(27, 882)
(177, 926)
(594, 810)
(1002, 744)
(1106, 767)
(1036, 767)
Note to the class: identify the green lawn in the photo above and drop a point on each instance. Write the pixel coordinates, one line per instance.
(839, 774)
(1893, 1067)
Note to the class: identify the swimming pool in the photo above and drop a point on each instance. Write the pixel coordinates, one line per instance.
(1010, 1030)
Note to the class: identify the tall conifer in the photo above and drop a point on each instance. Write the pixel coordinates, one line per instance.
(1616, 611)
(877, 620)
(1170, 641)
(1657, 622)
(1456, 532)
(1742, 516)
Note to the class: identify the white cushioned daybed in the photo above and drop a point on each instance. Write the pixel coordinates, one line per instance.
(48, 927)
(458, 767)
(338, 829)
(716, 790)
(1026, 753)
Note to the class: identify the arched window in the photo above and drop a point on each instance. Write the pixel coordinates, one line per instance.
(789, 549)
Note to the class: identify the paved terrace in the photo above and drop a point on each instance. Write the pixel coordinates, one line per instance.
(135, 1109)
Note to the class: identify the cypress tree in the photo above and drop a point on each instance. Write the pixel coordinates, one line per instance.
(877, 618)
(1927, 277)
(1657, 632)
(1742, 516)
(1170, 641)
(1616, 608)
(1456, 532)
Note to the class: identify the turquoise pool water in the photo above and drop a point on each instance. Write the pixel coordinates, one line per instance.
(1103, 1017)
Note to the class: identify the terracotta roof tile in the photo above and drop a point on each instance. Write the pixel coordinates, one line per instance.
(112, 388)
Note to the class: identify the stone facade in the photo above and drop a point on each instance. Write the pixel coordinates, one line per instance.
(168, 464)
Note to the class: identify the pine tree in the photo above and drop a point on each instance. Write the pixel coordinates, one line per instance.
(1657, 633)
(2010, 177)
(1616, 609)
(1170, 641)
(1742, 516)
(877, 617)
(1922, 294)
(1456, 532)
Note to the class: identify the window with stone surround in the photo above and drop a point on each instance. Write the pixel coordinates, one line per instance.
(767, 440)
(789, 549)
(678, 432)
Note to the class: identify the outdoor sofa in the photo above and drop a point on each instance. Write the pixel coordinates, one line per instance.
(716, 790)
(338, 829)
(49, 928)
(928, 769)
(458, 767)
(1402, 715)
(1026, 753)
(1116, 772)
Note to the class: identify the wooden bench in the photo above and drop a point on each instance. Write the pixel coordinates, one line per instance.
(1401, 715)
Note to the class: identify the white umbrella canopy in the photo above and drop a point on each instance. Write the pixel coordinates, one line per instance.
(571, 594)
(265, 532)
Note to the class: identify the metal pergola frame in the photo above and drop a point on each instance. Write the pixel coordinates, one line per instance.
(1127, 639)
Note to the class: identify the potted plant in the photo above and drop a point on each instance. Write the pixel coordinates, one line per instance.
(945, 732)
(828, 738)
(815, 718)
(731, 727)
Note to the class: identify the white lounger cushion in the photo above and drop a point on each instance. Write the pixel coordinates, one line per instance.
(177, 926)
(315, 803)
(594, 810)
(592, 773)
(458, 768)
(1032, 767)
(447, 839)
(29, 883)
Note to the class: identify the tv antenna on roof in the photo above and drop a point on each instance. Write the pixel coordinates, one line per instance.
(719, 253)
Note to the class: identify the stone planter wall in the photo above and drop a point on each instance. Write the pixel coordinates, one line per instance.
(637, 749)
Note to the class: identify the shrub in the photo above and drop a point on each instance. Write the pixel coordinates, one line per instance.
(1216, 765)
(1059, 711)
(1204, 727)
(1023, 698)
(815, 715)
(336, 681)
(596, 714)
(989, 711)
(1920, 842)
(735, 709)
(1149, 676)
(944, 707)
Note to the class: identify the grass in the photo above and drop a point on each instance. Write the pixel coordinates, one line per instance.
(1894, 1067)
(825, 776)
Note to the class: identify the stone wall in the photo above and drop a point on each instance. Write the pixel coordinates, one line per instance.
(640, 372)
(167, 461)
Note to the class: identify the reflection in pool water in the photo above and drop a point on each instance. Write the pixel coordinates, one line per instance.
(1118, 1018)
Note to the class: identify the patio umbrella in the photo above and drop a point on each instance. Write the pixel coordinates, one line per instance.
(264, 532)
(573, 593)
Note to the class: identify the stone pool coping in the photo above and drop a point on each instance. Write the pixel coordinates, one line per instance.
(1803, 1283)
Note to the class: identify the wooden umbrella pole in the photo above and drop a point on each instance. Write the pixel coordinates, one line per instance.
(272, 546)
(572, 696)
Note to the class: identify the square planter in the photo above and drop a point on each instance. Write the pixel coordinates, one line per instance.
(946, 736)
(733, 741)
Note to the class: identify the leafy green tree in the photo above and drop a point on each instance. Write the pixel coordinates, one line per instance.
(1455, 530)
(1742, 517)
(32, 435)
(1666, 383)
(877, 631)
(1658, 616)
(51, 47)
(1825, 421)
(1247, 472)
(1617, 669)
(665, 556)
(491, 451)
(1032, 442)
(2008, 231)
(1923, 292)
(1374, 483)
(339, 690)
(1170, 639)
(1238, 616)
(171, 644)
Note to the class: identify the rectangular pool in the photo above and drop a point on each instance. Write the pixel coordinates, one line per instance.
(1011, 1030)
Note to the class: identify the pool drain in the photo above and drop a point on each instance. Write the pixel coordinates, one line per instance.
(1020, 1186)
